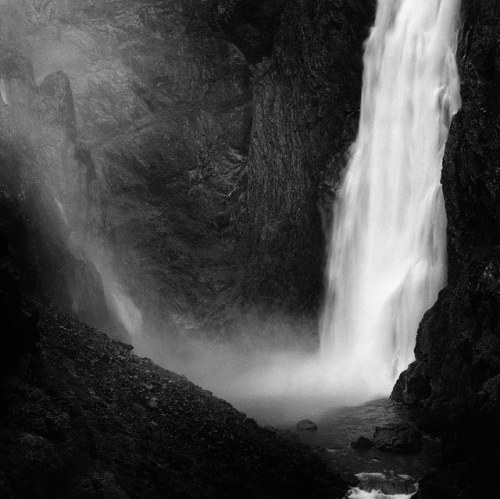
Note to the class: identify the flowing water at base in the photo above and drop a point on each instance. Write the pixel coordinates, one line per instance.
(384, 475)
(357, 493)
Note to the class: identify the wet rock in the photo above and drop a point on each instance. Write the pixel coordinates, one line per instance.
(362, 443)
(387, 483)
(398, 439)
(251, 25)
(306, 424)
(439, 484)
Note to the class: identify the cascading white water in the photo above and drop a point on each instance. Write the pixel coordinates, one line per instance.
(388, 249)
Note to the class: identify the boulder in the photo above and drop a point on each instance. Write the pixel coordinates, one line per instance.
(387, 483)
(306, 424)
(399, 439)
(362, 443)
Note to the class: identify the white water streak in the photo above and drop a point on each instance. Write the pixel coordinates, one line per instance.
(388, 249)
(356, 493)
(3, 92)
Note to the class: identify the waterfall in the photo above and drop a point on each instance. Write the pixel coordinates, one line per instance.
(387, 258)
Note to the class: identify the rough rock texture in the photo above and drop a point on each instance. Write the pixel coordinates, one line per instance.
(39, 172)
(306, 102)
(399, 439)
(19, 336)
(97, 421)
(129, 157)
(193, 147)
(457, 372)
(163, 120)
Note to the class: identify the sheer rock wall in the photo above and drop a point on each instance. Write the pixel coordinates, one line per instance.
(195, 145)
(306, 104)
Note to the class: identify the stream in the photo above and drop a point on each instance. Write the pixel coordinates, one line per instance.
(380, 474)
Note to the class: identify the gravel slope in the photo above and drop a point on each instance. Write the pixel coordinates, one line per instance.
(91, 419)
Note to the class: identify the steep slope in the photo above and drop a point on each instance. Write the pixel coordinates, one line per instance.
(89, 419)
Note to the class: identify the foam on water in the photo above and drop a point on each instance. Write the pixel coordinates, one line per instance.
(356, 493)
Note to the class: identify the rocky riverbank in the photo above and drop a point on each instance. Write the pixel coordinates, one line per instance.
(86, 418)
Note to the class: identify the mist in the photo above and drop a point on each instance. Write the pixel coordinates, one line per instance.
(275, 361)
(270, 369)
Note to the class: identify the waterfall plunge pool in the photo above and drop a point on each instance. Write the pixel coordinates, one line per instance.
(380, 474)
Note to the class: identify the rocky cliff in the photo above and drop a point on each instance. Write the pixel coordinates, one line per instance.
(41, 171)
(192, 149)
(160, 161)
(306, 103)
(456, 376)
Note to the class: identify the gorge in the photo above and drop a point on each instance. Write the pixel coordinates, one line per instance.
(168, 172)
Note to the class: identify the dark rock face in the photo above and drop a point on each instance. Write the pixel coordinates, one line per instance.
(194, 146)
(362, 443)
(19, 335)
(251, 25)
(401, 439)
(439, 484)
(163, 118)
(40, 171)
(457, 372)
(306, 101)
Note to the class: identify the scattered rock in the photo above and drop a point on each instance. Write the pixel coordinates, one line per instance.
(387, 483)
(306, 424)
(399, 439)
(153, 402)
(127, 428)
(362, 443)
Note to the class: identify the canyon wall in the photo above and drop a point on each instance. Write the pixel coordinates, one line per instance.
(190, 151)
(40, 170)
(185, 155)
(130, 152)
(306, 105)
